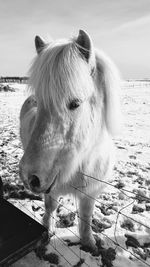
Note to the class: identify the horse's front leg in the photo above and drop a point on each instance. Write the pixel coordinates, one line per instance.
(86, 206)
(50, 206)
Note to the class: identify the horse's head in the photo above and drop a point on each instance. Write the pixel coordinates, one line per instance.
(75, 88)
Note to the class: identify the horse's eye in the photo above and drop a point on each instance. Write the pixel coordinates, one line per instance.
(74, 104)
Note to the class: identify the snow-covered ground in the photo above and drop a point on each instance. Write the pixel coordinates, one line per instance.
(122, 212)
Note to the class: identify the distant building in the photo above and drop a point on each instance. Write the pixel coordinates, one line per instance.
(13, 79)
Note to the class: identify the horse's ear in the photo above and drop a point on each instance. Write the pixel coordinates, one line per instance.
(85, 46)
(39, 44)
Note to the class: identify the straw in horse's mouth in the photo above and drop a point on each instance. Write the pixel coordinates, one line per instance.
(52, 184)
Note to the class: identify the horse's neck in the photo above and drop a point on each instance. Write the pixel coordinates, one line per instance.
(99, 155)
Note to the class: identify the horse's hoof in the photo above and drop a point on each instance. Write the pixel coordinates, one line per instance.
(89, 246)
(40, 250)
(93, 245)
(41, 245)
(92, 249)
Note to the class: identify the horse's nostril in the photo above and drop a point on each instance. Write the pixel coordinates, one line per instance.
(34, 181)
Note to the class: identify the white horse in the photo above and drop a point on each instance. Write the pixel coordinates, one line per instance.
(67, 124)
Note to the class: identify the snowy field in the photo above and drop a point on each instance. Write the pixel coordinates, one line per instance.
(121, 218)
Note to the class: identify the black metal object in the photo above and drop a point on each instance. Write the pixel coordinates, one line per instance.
(19, 233)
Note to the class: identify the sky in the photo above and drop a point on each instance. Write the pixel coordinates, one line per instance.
(121, 28)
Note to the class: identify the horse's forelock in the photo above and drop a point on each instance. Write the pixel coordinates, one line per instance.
(59, 74)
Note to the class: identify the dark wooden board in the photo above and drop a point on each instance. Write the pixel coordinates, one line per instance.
(19, 233)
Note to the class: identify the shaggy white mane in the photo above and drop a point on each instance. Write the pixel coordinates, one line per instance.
(59, 74)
